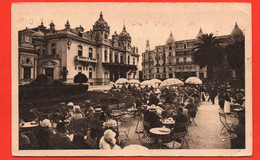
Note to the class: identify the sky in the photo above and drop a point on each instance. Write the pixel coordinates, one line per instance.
(143, 21)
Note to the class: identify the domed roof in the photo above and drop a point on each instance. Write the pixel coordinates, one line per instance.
(236, 31)
(170, 39)
(199, 34)
(38, 34)
(101, 24)
(124, 35)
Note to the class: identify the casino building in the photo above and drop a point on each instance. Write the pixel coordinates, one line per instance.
(61, 54)
(174, 60)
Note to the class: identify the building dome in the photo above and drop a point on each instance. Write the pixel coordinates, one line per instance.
(237, 34)
(199, 34)
(170, 39)
(124, 35)
(101, 24)
(38, 34)
(236, 31)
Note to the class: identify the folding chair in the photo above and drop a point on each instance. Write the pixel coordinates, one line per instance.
(192, 115)
(144, 137)
(178, 141)
(186, 125)
(230, 132)
(125, 127)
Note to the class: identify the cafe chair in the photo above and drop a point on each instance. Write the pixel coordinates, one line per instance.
(186, 125)
(192, 115)
(144, 137)
(230, 133)
(178, 140)
(125, 127)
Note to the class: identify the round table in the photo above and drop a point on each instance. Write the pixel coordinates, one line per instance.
(160, 132)
(168, 123)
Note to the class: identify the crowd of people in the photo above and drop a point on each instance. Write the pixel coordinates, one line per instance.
(57, 130)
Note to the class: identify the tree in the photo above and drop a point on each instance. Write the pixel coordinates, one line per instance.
(235, 53)
(80, 78)
(208, 53)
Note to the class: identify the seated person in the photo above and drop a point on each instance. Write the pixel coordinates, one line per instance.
(79, 142)
(152, 117)
(77, 114)
(60, 140)
(44, 134)
(167, 112)
(179, 118)
(95, 125)
(108, 140)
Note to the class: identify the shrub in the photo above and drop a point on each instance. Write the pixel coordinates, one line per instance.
(80, 78)
(41, 79)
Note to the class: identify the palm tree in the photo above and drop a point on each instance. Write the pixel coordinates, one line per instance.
(208, 53)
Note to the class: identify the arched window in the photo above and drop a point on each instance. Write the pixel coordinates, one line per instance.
(53, 48)
(105, 57)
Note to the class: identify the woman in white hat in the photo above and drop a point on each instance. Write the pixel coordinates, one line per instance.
(44, 134)
(108, 141)
(77, 114)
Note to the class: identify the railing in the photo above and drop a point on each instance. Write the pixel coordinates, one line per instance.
(85, 59)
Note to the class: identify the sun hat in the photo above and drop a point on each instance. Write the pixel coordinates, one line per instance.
(109, 134)
(70, 104)
(98, 110)
(87, 101)
(46, 123)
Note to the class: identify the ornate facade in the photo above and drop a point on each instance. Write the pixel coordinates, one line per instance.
(61, 54)
(174, 60)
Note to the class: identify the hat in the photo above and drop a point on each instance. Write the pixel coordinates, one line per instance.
(62, 104)
(98, 110)
(87, 101)
(46, 123)
(76, 108)
(109, 134)
(160, 104)
(70, 104)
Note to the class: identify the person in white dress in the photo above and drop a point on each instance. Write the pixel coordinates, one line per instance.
(227, 102)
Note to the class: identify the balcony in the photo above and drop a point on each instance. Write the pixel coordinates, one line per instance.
(85, 59)
(119, 66)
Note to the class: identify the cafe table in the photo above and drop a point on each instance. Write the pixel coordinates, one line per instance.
(168, 123)
(160, 132)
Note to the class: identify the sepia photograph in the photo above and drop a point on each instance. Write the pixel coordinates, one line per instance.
(131, 79)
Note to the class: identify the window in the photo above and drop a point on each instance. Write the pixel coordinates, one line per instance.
(80, 69)
(184, 60)
(110, 56)
(170, 48)
(185, 53)
(128, 59)
(80, 34)
(90, 54)
(158, 70)
(184, 46)
(53, 48)
(116, 58)
(121, 58)
(164, 69)
(164, 62)
(105, 55)
(158, 76)
(79, 50)
(157, 62)
(177, 60)
(170, 54)
(90, 73)
(26, 73)
(150, 71)
(133, 61)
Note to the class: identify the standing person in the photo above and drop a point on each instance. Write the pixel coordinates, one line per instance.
(202, 93)
(221, 99)
(212, 95)
(227, 102)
